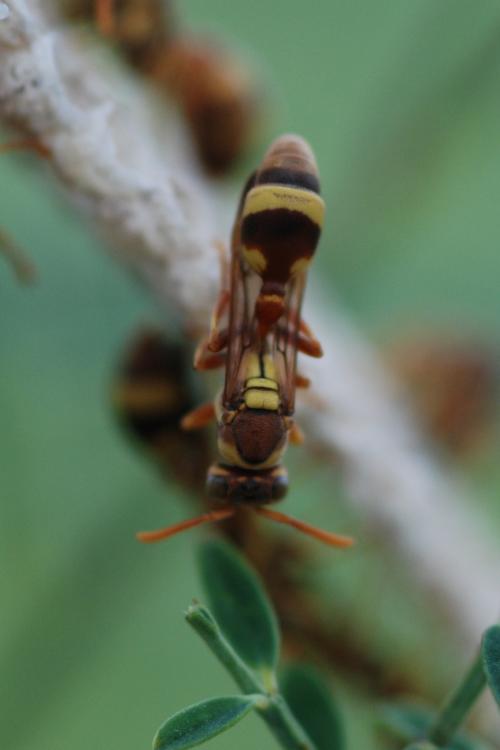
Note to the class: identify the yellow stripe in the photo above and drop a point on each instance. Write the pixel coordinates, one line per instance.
(262, 399)
(262, 383)
(255, 259)
(269, 197)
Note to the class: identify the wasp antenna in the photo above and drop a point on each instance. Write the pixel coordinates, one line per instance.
(176, 528)
(104, 16)
(333, 540)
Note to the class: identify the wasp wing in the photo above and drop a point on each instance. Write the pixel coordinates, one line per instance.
(286, 335)
(242, 329)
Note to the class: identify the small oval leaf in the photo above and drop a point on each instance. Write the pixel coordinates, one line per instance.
(240, 605)
(407, 721)
(411, 723)
(310, 700)
(200, 722)
(490, 651)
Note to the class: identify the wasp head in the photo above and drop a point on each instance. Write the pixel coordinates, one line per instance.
(236, 485)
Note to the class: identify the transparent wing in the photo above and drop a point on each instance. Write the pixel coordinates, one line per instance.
(286, 336)
(245, 285)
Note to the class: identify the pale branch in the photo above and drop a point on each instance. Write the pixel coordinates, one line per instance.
(134, 180)
(139, 185)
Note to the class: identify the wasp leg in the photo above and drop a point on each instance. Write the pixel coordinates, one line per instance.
(301, 381)
(307, 341)
(296, 436)
(217, 338)
(104, 16)
(23, 267)
(206, 359)
(26, 144)
(199, 417)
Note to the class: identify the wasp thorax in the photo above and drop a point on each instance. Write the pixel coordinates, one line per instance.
(254, 438)
(230, 483)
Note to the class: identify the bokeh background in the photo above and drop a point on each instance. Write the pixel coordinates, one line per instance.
(401, 103)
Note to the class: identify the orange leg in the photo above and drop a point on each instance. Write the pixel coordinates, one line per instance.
(104, 16)
(199, 417)
(26, 144)
(224, 264)
(204, 359)
(307, 341)
(308, 345)
(23, 267)
(217, 339)
(301, 381)
(296, 436)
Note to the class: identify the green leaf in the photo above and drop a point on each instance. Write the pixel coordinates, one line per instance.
(311, 702)
(411, 723)
(406, 721)
(240, 605)
(202, 721)
(490, 651)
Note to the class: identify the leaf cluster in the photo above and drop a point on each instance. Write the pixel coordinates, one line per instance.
(241, 630)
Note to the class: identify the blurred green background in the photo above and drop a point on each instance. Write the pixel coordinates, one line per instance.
(401, 103)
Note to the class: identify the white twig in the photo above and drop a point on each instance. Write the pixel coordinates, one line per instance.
(143, 192)
(111, 158)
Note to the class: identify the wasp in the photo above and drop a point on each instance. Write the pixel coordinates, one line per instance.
(151, 390)
(255, 334)
(214, 91)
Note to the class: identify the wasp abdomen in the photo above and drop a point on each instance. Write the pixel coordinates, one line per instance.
(281, 220)
(289, 161)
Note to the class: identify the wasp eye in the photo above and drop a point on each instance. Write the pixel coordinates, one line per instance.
(218, 482)
(246, 486)
(280, 486)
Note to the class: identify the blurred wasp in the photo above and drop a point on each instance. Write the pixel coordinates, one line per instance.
(213, 90)
(150, 393)
(256, 332)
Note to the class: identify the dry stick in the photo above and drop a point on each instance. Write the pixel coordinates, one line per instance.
(156, 213)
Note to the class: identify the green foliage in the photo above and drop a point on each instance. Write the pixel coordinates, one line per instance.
(413, 723)
(490, 652)
(246, 643)
(406, 721)
(202, 721)
(311, 702)
(240, 605)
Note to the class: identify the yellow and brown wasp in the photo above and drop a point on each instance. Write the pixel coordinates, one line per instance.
(256, 332)
(214, 91)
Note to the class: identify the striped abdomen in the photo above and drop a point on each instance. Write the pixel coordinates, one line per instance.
(281, 220)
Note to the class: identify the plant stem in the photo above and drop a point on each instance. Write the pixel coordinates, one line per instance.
(273, 709)
(458, 705)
